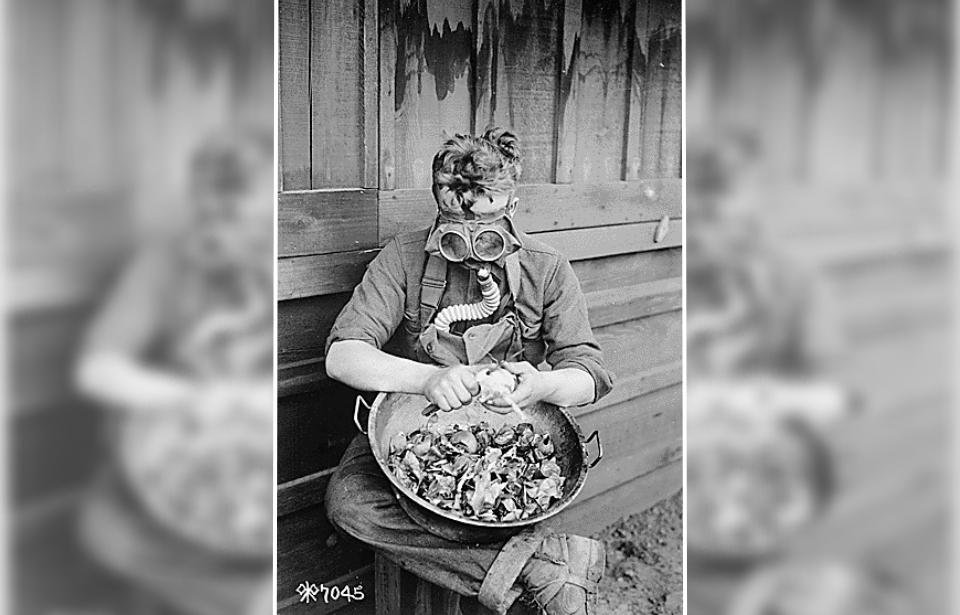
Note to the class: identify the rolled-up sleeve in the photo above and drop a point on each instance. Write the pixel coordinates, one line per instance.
(376, 308)
(566, 329)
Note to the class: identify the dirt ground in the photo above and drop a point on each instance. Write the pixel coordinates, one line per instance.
(644, 562)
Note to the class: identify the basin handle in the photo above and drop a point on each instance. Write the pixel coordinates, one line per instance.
(594, 436)
(356, 413)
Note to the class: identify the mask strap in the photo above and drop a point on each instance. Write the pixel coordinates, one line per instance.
(512, 265)
(431, 287)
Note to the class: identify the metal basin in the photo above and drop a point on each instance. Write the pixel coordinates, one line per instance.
(811, 460)
(403, 412)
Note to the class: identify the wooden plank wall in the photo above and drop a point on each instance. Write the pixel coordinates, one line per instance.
(849, 119)
(593, 89)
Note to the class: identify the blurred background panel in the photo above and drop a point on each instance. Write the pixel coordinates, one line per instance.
(109, 101)
(369, 90)
(823, 133)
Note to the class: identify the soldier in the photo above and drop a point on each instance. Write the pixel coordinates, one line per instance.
(541, 314)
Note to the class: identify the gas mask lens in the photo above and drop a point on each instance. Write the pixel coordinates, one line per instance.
(454, 246)
(487, 245)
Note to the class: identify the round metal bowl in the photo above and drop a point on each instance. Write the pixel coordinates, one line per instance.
(811, 462)
(392, 413)
(207, 481)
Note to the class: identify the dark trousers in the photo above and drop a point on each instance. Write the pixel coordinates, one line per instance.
(361, 503)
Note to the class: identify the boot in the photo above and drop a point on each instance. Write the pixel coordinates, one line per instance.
(564, 573)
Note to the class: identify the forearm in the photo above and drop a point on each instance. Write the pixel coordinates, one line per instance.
(362, 366)
(568, 387)
(124, 382)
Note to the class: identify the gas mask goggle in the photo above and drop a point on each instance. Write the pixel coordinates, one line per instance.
(485, 241)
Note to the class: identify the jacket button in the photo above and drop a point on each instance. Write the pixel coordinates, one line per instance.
(430, 347)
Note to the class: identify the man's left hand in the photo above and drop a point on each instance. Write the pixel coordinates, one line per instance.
(532, 385)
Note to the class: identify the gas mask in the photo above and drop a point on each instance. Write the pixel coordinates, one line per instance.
(458, 240)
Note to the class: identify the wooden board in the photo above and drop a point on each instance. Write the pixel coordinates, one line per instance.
(627, 269)
(516, 77)
(593, 515)
(320, 222)
(431, 75)
(602, 70)
(304, 324)
(638, 435)
(583, 244)
(548, 207)
(618, 305)
(336, 95)
(310, 551)
(313, 430)
(627, 321)
(294, 75)
(306, 276)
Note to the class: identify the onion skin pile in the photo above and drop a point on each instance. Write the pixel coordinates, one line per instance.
(478, 472)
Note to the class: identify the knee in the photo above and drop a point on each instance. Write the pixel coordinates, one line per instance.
(344, 502)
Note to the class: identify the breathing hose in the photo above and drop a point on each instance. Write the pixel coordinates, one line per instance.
(472, 311)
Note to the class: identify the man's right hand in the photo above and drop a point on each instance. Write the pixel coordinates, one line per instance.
(452, 387)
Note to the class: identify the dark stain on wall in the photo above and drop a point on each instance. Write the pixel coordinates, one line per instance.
(445, 53)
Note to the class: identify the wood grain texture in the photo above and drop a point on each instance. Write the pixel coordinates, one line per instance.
(628, 269)
(362, 577)
(568, 98)
(314, 429)
(310, 551)
(638, 383)
(387, 148)
(370, 111)
(432, 81)
(388, 586)
(632, 155)
(592, 515)
(624, 318)
(303, 376)
(631, 302)
(304, 324)
(659, 40)
(636, 346)
(294, 74)
(598, 242)
(321, 222)
(603, 91)
(671, 122)
(639, 436)
(547, 207)
(336, 95)
(516, 77)
(303, 492)
(307, 276)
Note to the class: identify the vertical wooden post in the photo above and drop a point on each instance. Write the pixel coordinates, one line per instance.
(567, 98)
(370, 65)
(387, 581)
(388, 67)
(634, 132)
(294, 138)
(485, 71)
